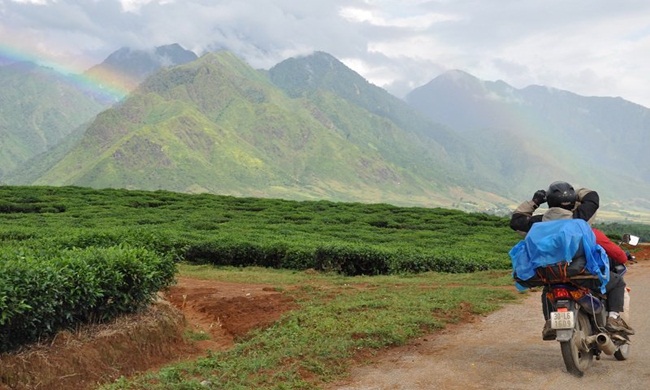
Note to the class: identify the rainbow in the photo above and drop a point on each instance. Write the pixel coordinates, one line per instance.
(102, 84)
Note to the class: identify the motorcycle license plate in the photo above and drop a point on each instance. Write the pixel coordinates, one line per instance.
(562, 320)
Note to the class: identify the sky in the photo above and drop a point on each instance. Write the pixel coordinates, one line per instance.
(589, 47)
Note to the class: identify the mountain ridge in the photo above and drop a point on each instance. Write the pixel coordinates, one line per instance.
(125, 68)
(220, 100)
(311, 128)
(579, 136)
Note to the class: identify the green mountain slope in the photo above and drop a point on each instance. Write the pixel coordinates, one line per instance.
(311, 128)
(436, 153)
(38, 109)
(217, 125)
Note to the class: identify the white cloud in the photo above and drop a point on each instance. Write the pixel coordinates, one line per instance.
(133, 5)
(39, 2)
(591, 48)
(416, 22)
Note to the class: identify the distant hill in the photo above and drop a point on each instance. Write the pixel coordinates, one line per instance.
(126, 68)
(311, 128)
(435, 152)
(217, 125)
(39, 107)
(543, 134)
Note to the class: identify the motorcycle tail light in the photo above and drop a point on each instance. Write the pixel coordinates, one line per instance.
(561, 293)
(577, 294)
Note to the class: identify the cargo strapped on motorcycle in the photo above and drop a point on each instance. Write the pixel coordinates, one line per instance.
(557, 273)
(561, 272)
(551, 250)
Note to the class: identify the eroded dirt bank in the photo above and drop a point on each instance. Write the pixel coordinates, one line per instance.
(103, 353)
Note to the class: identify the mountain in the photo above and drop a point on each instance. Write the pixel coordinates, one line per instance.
(311, 128)
(39, 107)
(125, 68)
(422, 145)
(217, 125)
(543, 134)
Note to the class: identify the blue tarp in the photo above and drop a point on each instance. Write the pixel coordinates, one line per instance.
(552, 242)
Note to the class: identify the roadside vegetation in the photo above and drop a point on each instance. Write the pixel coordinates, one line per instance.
(384, 275)
(339, 319)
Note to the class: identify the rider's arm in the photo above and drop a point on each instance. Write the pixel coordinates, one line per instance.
(589, 202)
(522, 218)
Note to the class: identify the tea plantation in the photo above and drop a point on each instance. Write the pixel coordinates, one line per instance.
(71, 255)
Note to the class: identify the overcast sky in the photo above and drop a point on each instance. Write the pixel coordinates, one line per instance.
(590, 47)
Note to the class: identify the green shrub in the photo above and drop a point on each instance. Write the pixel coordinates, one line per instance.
(42, 292)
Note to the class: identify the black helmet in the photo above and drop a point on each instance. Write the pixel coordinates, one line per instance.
(561, 194)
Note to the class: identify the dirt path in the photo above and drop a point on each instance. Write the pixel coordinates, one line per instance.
(505, 351)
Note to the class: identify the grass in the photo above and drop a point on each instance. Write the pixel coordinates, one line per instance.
(196, 335)
(340, 321)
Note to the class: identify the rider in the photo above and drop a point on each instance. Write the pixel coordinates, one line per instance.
(565, 203)
(614, 252)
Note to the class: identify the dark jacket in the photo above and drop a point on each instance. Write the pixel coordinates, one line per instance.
(523, 219)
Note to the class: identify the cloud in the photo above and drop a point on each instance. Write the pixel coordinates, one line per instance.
(397, 44)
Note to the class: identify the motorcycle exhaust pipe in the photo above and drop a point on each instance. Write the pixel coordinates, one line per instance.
(605, 344)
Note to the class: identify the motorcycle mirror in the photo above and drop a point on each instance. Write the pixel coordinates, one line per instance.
(630, 239)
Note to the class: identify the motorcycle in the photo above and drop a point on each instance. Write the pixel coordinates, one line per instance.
(579, 317)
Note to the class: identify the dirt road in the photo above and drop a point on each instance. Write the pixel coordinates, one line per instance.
(505, 351)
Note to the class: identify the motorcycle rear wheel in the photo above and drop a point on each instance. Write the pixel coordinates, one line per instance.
(576, 354)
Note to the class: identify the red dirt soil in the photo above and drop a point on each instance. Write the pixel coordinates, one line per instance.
(147, 341)
(102, 353)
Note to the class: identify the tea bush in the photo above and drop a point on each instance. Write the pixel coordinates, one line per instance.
(43, 291)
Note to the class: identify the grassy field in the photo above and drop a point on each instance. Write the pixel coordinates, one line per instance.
(364, 276)
(340, 320)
